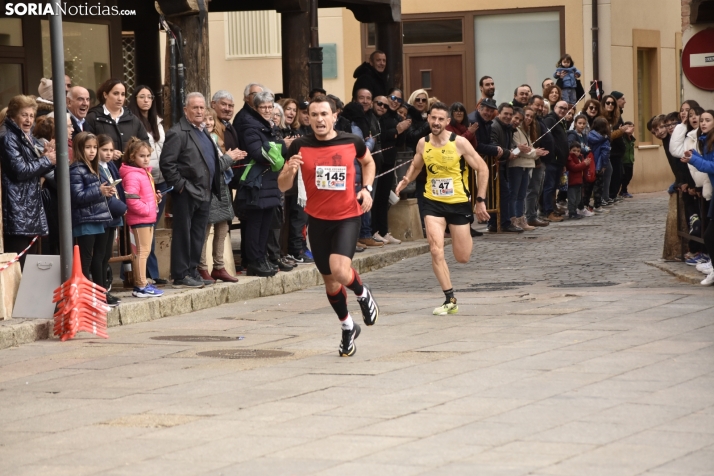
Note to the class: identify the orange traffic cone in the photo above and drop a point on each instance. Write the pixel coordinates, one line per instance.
(81, 305)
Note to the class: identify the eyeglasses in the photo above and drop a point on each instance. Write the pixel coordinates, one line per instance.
(380, 104)
(150, 98)
(671, 124)
(396, 98)
(420, 100)
(609, 103)
(592, 108)
(265, 108)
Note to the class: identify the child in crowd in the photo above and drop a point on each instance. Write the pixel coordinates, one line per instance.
(90, 212)
(628, 161)
(142, 201)
(567, 71)
(599, 143)
(578, 133)
(108, 174)
(576, 166)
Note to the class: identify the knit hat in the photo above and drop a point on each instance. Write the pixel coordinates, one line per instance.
(616, 94)
(45, 89)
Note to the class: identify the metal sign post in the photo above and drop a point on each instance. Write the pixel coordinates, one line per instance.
(62, 165)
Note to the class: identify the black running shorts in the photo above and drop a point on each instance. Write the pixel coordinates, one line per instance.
(332, 237)
(454, 213)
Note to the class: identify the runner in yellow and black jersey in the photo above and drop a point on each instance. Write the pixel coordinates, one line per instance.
(446, 197)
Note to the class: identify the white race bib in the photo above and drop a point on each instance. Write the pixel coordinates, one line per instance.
(331, 178)
(442, 187)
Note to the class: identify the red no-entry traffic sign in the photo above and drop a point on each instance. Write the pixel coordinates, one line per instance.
(698, 60)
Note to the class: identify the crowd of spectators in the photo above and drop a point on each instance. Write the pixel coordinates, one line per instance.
(554, 162)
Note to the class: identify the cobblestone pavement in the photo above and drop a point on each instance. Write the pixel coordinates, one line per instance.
(569, 356)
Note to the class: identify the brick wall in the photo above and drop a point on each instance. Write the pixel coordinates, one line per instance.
(686, 13)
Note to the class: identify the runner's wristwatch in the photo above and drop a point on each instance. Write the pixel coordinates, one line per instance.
(368, 187)
(480, 200)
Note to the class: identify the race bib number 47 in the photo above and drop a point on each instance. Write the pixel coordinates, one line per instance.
(442, 187)
(331, 178)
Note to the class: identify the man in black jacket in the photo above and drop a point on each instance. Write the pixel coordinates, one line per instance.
(372, 75)
(521, 96)
(78, 107)
(486, 112)
(535, 186)
(554, 166)
(502, 134)
(192, 164)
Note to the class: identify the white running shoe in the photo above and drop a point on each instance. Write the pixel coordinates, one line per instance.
(389, 239)
(585, 213)
(705, 268)
(709, 280)
(378, 237)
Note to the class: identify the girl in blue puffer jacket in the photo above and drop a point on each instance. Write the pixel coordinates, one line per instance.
(90, 212)
(599, 143)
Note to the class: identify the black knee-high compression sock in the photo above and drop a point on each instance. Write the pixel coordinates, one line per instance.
(356, 285)
(339, 302)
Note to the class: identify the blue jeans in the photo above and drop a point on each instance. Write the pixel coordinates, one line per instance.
(550, 185)
(504, 195)
(518, 180)
(152, 264)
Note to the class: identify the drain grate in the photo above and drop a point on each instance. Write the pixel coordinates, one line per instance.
(585, 285)
(488, 287)
(245, 354)
(196, 338)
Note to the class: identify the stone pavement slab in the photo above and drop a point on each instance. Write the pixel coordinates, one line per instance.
(559, 363)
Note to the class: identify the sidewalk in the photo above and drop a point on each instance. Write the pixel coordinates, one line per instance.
(174, 302)
(679, 269)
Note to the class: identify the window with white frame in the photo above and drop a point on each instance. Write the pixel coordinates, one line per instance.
(253, 34)
(532, 41)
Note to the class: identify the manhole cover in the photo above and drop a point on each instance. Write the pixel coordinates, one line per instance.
(584, 285)
(245, 354)
(488, 287)
(196, 338)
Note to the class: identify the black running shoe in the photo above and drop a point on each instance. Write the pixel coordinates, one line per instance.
(347, 345)
(370, 310)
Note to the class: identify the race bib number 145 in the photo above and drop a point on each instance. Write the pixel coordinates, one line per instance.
(331, 178)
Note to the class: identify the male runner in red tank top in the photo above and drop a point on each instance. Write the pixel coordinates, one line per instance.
(326, 160)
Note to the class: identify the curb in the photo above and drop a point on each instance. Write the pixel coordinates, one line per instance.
(15, 332)
(681, 271)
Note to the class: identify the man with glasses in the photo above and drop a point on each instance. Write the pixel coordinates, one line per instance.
(78, 106)
(554, 166)
(389, 124)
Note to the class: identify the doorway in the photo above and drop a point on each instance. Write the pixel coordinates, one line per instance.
(440, 75)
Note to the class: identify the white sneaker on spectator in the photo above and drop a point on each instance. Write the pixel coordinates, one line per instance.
(378, 237)
(391, 240)
(709, 280)
(705, 268)
(585, 213)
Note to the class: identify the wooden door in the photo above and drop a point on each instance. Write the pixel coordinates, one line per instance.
(441, 76)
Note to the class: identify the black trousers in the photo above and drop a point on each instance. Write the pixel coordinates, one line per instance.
(616, 179)
(708, 237)
(187, 234)
(256, 228)
(297, 221)
(108, 250)
(276, 224)
(380, 208)
(91, 252)
(627, 171)
(17, 243)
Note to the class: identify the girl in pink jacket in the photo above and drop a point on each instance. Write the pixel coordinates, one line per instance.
(142, 206)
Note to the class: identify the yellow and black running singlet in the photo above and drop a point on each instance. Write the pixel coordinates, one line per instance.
(446, 172)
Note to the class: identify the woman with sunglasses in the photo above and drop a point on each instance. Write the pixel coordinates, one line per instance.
(418, 104)
(613, 172)
(392, 134)
(590, 110)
